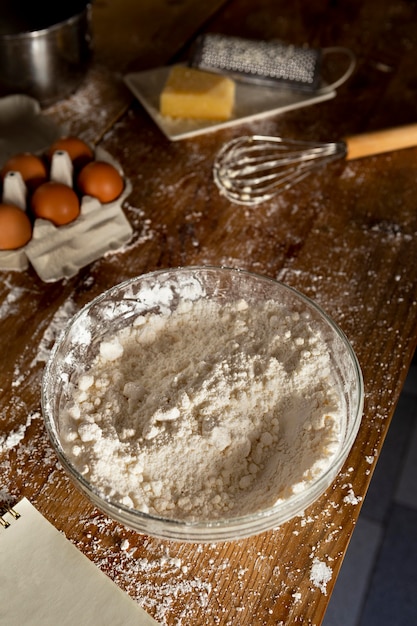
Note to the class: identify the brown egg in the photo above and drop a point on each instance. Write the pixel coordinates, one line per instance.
(100, 180)
(31, 167)
(79, 152)
(55, 202)
(15, 227)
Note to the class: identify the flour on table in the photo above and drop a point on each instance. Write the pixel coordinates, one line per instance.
(320, 575)
(60, 319)
(12, 439)
(9, 304)
(206, 411)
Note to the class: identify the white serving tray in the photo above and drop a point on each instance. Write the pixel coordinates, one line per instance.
(252, 102)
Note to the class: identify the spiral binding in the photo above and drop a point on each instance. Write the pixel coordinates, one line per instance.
(12, 512)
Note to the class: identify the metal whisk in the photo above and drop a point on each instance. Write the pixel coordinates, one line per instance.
(253, 168)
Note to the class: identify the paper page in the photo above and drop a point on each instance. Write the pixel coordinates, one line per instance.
(45, 579)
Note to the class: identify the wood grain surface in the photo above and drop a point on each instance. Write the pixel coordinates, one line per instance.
(346, 237)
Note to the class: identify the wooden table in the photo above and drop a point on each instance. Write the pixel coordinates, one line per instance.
(347, 237)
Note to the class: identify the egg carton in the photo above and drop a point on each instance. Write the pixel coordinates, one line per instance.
(58, 252)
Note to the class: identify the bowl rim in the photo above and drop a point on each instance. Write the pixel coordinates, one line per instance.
(222, 528)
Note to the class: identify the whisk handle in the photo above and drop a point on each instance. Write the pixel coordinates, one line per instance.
(377, 142)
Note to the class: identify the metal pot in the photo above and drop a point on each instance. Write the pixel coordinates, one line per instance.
(43, 56)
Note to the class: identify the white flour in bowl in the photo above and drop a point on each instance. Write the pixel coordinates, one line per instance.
(208, 411)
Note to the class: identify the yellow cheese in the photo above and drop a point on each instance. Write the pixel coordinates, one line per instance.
(194, 94)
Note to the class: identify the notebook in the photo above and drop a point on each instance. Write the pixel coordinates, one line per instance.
(45, 580)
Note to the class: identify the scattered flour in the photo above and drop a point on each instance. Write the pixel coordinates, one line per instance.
(206, 411)
(9, 305)
(351, 498)
(60, 319)
(13, 438)
(320, 574)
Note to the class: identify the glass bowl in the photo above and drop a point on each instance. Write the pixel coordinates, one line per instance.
(202, 404)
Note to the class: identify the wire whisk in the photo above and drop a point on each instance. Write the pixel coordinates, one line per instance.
(252, 169)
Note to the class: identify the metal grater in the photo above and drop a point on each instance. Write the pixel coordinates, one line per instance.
(263, 62)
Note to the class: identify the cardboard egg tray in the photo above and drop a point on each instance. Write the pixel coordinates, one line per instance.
(60, 252)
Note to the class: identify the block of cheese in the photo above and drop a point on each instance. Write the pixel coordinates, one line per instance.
(195, 94)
